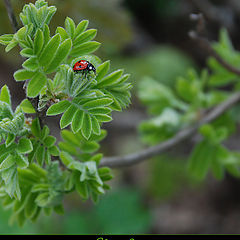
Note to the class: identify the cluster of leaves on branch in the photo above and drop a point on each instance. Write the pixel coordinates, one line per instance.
(182, 106)
(35, 171)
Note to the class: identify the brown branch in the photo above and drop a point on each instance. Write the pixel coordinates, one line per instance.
(11, 15)
(134, 158)
(206, 45)
(224, 15)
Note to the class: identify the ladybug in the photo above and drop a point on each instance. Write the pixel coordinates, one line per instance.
(83, 66)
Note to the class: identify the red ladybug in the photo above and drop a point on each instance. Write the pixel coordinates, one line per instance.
(83, 66)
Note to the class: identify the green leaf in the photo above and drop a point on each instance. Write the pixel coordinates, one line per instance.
(27, 106)
(24, 146)
(157, 96)
(96, 126)
(47, 157)
(46, 34)
(36, 84)
(66, 158)
(38, 42)
(35, 128)
(67, 117)
(62, 33)
(10, 139)
(21, 34)
(71, 138)
(58, 108)
(102, 70)
(30, 208)
(100, 110)
(201, 159)
(5, 95)
(21, 161)
(85, 37)
(44, 132)
(81, 27)
(85, 48)
(10, 177)
(103, 118)
(70, 27)
(102, 102)
(49, 51)
(223, 78)
(49, 141)
(110, 79)
(23, 74)
(40, 154)
(77, 121)
(82, 189)
(11, 45)
(8, 162)
(54, 151)
(61, 54)
(87, 126)
(40, 187)
(42, 199)
(89, 147)
(6, 39)
(27, 52)
(31, 64)
(36, 215)
(97, 158)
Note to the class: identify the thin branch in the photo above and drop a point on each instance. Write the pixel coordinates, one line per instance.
(223, 15)
(206, 45)
(11, 15)
(134, 158)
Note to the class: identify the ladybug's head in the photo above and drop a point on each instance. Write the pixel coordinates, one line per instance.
(91, 68)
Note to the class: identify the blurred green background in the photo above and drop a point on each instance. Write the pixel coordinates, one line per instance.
(146, 38)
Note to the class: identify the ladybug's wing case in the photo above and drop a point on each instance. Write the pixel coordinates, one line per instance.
(80, 65)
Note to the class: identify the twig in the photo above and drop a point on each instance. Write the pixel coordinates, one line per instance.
(205, 44)
(11, 15)
(123, 161)
(222, 15)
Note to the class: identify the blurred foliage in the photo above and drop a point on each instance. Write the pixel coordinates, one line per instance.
(168, 176)
(109, 17)
(183, 105)
(120, 212)
(5, 228)
(220, 76)
(163, 63)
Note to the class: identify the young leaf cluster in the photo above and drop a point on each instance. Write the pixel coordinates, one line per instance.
(77, 155)
(35, 173)
(40, 192)
(179, 107)
(90, 98)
